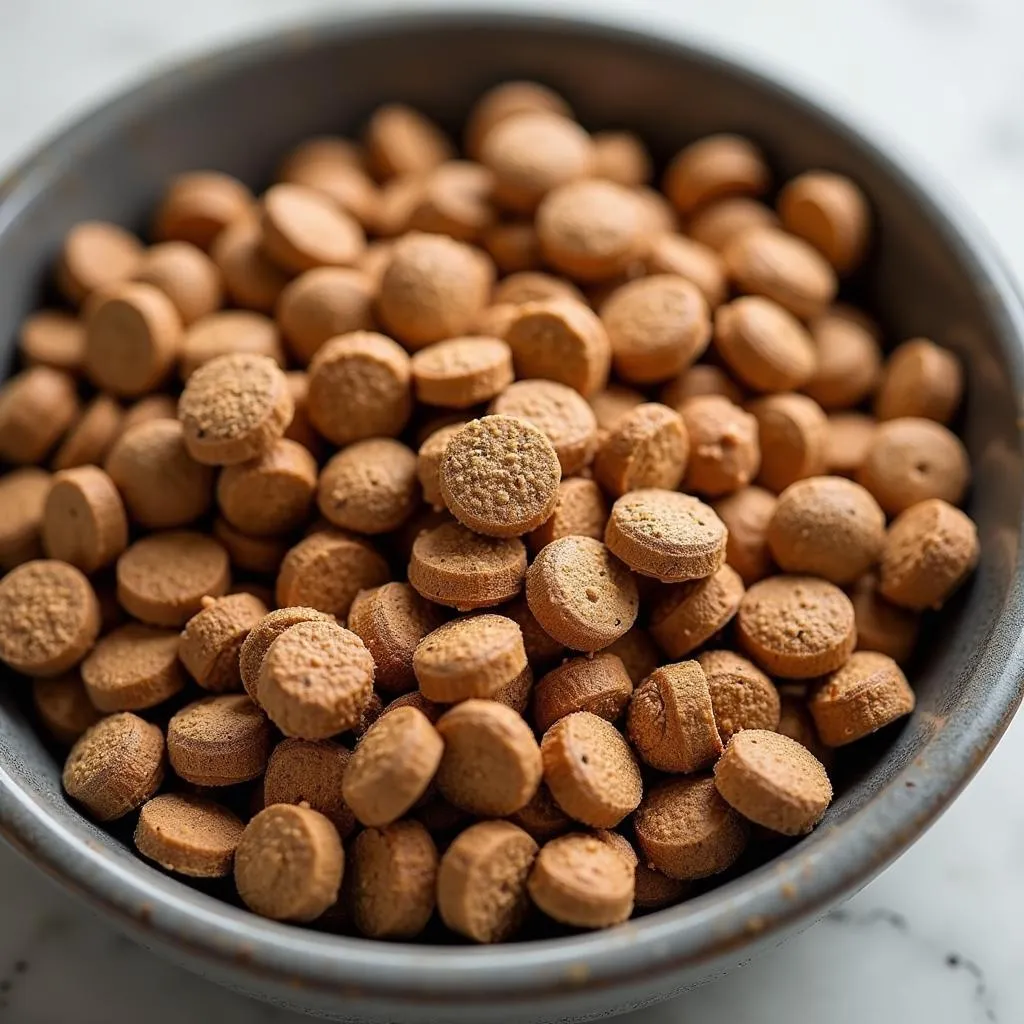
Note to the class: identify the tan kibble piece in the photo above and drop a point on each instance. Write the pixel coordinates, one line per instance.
(326, 570)
(259, 638)
(671, 536)
(347, 185)
(289, 863)
(50, 337)
(831, 212)
(415, 699)
(152, 407)
(796, 627)
(504, 100)
(252, 281)
(234, 408)
(920, 379)
(461, 372)
(912, 459)
(499, 476)
(515, 694)
(637, 652)
(360, 386)
(400, 140)
(849, 361)
(300, 429)
(303, 229)
(391, 879)
(91, 435)
(621, 157)
(882, 626)
(533, 286)
(773, 781)
(428, 462)
(219, 741)
(433, 288)
(161, 484)
(742, 696)
(94, 256)
(542, 650)
(303, 771)
(213, 638)
(22, 500)
(655, 890)
(687, 615)
(132, 668)
(261, 555)
(63, 707)
(397, 200)
(561, 340)
(229, 332)
(481, 883)
(687, 831)
(725, 454)
(795, 721)
(163, 578)
(647, 448)
(793, 434)
(271, 494)
(189, 835)
(513, 246)
(590, 770)
(848, 438)
(330, 150)
(713, 168)
(455, 200)
(36, 407)
(598, 684)
(581, 594)
(84, 521)
(699, 381)
(592, 230)
(198, 206)
(929, 551)
(669, 253)
(718, 223)
(372, 710)
(580, 511)
(542, 818)
(392, 766)
(767, 348)
(186, 275)
(657, 327)
(115, 766)
(49, 618)
(581, 881)
(826, 526)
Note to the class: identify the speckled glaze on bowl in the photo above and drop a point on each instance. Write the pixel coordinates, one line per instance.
(238, 110)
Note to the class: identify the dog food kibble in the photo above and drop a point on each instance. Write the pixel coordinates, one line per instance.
(773, 781)
(459, 422)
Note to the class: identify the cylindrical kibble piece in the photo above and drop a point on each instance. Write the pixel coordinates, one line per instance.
(881, 625)
(186, 275)
(251, 279)
(724, 451)
(189, 835)
(84, 521)
(687, 615)
(671, 253)
(848, 437)
(715, 167)
(718, 223)
(920, 379)
(92, 435)
(648, 447)
(849, 361)
(36, 407)
(133, 667)
(263, 633)
(50, 337)
(22, 501)
(746, 515)
(461, 372)
(302, 229)
(197, 206)
(400, 140)
(304, 771)
(793, 434)
(219, 741)
(96, 255)
(598, 684)
(213, 638)
(63, 707)
(580, 511)
(229, 332)
(742, 696)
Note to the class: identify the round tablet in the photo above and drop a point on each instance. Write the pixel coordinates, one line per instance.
(401, 140)
(793, 434)
(687, 615)
(186, 275)
(219, 741)
(229, 332)
(36, 407)
(461, 372)
(541, 650)
(796, 627)
(581, 511)
(90, 437)
(302, 229)
(288, 864)
(95, 254)
(829, 211)
(308, 772)
(746, 515)
(115, 766)
(481, 882)
(22, 500)
(637, 652)
(714, 167)
(49, 618)
(598, 684)
(848, 437)
(198, 205)
(50, 337)
(84, 521)
(773, 781)
(132, 668)
(648, 447)
(251, 279)
(213, 638)
(504, 100)
(742, 696)
(920, 379)
(882, 626)
(63, 707)
(687, 831)
(724, 451)
(263, 633)
(849, 361)
(665, 534)
(189, 835)
(456, 201)
(670, 253)
(162, 579)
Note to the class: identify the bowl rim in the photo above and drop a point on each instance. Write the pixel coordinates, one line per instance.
(801, 885)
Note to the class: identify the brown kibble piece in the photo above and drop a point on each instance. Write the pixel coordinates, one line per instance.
(84, 521)
(687, 831)
(289, 863)
(229, 332)
(22, 500)
(513, 246)
(829, 211)
(882, 626)
(580, 511)
(461, 372)
(133, 668)
(481, 883)
(724, 451)
(391, 878)
(657, 326)
(199, 205)
(455, 200)
(930, 550)
(796, 627)
(303, 229)
(560, 340)
(401, 140)
(669, 253)
(773, 781)
(849, 361)
(637, 652)
(96, 255)
(848, 438)
(322, 304)
(504, 100)
(213, 638)
(189, 835)
(91, 436)
(686, 615)
(359, 386)
(392, 766)
(671, 536)
(115, 766)
(795, 721)
(647, 448)
(315, 680)
(655, 890)
(621, 157)
(826, 526)
(581, 881)
(911, 459)
(263, 633)
(370, 486)
(428, 462)
(304, 771)
(541, 650)
(51, 337)
(920, 379)
(718, 223)
(598, 684)
(590, 770)
(300, 429)
(533, 286)
(219, 741)
(713, 168)
(36, 407)
(64, 707)
(767, 348)
(161, 484)
(793, 434)
(49, 618)
(581, 594)
(252, 281)
(343, 181)
(542, 818)
(186, 275)
(163, 578)
(742, 696)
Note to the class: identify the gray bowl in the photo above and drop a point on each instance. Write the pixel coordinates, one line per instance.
(239, 110)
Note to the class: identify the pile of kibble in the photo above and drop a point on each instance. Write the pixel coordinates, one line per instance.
(536, 553)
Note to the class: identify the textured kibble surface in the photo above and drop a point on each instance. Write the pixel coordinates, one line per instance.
(529, 518)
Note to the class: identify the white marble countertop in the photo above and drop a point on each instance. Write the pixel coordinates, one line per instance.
(936, 938)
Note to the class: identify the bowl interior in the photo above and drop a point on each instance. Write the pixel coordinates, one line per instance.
(239, 112)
